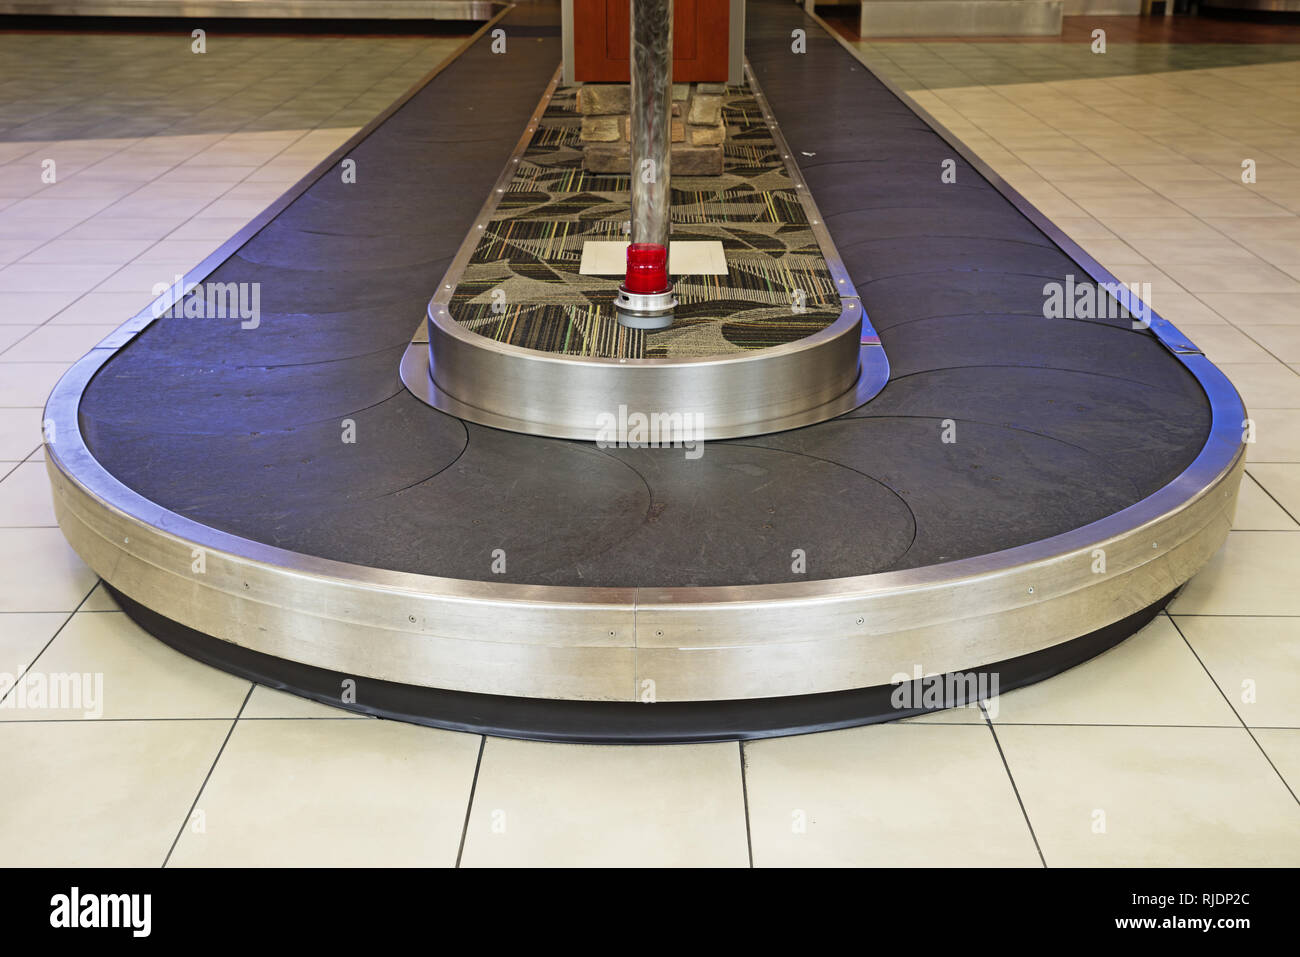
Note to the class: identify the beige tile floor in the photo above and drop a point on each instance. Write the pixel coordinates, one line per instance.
(1181, 746)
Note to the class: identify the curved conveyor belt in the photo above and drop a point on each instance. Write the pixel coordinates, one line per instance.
(1024, 493)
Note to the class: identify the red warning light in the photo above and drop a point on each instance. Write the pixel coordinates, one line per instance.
(647, 268)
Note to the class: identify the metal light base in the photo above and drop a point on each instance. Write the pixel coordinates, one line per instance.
(641, 310)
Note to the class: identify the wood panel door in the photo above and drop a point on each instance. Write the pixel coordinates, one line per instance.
(601, 46)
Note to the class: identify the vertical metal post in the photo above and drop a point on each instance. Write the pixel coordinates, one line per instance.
(652, 108)
(646, 300)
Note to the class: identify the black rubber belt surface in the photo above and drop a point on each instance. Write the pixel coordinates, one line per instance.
(1058, 422)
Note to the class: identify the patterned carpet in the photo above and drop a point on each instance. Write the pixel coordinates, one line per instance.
(522, 284)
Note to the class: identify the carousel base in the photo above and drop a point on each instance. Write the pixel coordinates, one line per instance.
(1025, 491)
(643, 722)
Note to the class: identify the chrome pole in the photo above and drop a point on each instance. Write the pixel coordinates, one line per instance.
(645, 300)
(652, 108)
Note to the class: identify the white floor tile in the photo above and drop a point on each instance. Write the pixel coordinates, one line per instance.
(100, 793)
(1283, 749)
(1282, 482)
(1116, 688)
(1283, 342)
(39, 571)
(1264, 385)
(1253, 574)
(113, 252)
(1258, 512)
(32, 308)
(1145, 797)
(885, 795)
(55, 343)
(25, 499)
(20, 431)
(22, 636)
(133, 674)
(42, 277)
(579, 805)
(333, 794)
(1277, 436)
(1255, 661)
(108, 309)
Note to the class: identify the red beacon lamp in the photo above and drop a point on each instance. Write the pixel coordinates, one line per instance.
(645, 300)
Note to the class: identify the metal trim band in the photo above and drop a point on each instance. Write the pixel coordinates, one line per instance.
(625, 722)
(602, 643)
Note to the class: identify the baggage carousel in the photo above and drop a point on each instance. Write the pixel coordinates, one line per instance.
(364, 498)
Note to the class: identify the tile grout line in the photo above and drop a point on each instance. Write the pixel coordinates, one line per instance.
(469, 805)
(1232, 325)
(1260, 485)
(49, 320)
(1245, 727)
(252, 686)
(1010, 777)
(1000, 93)
(58, 631)
(1201, 614)
(159, 241)
(161, 133)
(744, 796)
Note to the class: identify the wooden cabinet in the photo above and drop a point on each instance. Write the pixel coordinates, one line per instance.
(601, 44)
